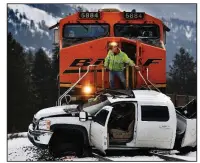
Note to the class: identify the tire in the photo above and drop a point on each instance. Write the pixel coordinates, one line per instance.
(60, 146)
(87, 152)
(185, 150)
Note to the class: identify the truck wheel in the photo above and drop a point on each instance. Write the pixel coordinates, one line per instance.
(60, 146)
(185, 150)
(87, 152)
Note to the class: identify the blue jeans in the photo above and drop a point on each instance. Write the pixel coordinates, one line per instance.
(120, 75)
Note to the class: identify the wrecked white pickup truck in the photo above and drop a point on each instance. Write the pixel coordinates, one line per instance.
(114, 119)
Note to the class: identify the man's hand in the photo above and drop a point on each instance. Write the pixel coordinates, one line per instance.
(137, 67)
(106, 67)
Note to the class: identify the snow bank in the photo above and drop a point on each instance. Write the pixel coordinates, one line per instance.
(136, 158)
(21, 149)
(192, 154)
(18, 149)
(83, 159)
(188, 157)
(18, 143)
(17, 135)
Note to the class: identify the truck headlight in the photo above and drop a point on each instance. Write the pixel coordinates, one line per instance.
(44, 125)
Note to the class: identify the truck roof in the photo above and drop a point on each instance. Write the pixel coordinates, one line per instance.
(112, 96)
(143, 95)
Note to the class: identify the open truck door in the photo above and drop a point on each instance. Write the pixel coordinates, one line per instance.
(99, 129)
(190, 136)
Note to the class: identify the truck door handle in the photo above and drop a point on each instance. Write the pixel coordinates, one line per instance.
(164, 126)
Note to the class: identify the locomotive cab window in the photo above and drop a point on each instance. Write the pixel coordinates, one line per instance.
(137, 31)
(78, 33)
(154, 113)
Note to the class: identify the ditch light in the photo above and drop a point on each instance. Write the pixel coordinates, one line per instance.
(87, 89)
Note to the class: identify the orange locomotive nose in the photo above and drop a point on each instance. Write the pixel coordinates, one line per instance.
(86, 37)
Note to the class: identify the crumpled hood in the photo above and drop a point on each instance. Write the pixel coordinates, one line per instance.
(56, 110)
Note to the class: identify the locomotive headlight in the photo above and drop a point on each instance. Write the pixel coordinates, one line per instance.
(87, 89)
(44, 125)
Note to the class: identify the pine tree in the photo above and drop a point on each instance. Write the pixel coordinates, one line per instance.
(20, 16)
(18, 95)
(24, 16)
(42, 79)
(183, 77)
(32, 24)
(55, 73)
(43, 25)
(32, 88)
(80, 9)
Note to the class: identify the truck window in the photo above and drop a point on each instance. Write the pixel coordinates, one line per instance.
(78, 33)
(154, 113)
(101, 117)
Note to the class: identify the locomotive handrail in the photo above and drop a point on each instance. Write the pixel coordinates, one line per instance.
(144, 79)
(148, 80)
(151, 82)
(88, 69)
(79, 72)
(67, 91)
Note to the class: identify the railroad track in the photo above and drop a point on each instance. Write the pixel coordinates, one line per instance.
(101, 158)
(167, 157)
(162, 156)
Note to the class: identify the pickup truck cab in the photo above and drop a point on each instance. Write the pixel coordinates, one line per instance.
(114, 119)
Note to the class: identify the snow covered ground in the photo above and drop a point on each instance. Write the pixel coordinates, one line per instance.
(20, 149)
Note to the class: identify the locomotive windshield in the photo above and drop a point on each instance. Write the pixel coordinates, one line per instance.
(77, 33)
(137, 31)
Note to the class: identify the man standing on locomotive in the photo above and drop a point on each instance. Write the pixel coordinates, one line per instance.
(114, 62)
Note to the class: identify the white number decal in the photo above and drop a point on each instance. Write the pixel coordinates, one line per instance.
(135, 16)
(140, 16)
(87, 15)
(130, 15)
(127, 15)
(82, 15)
(96, 15)
(91, 15)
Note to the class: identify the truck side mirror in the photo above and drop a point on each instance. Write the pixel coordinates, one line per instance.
(83, 116)
(56, 36)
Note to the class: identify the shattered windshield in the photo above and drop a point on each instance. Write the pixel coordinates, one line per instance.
(95, 104)
(137, 31)
(77, 33)
(146, 33)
